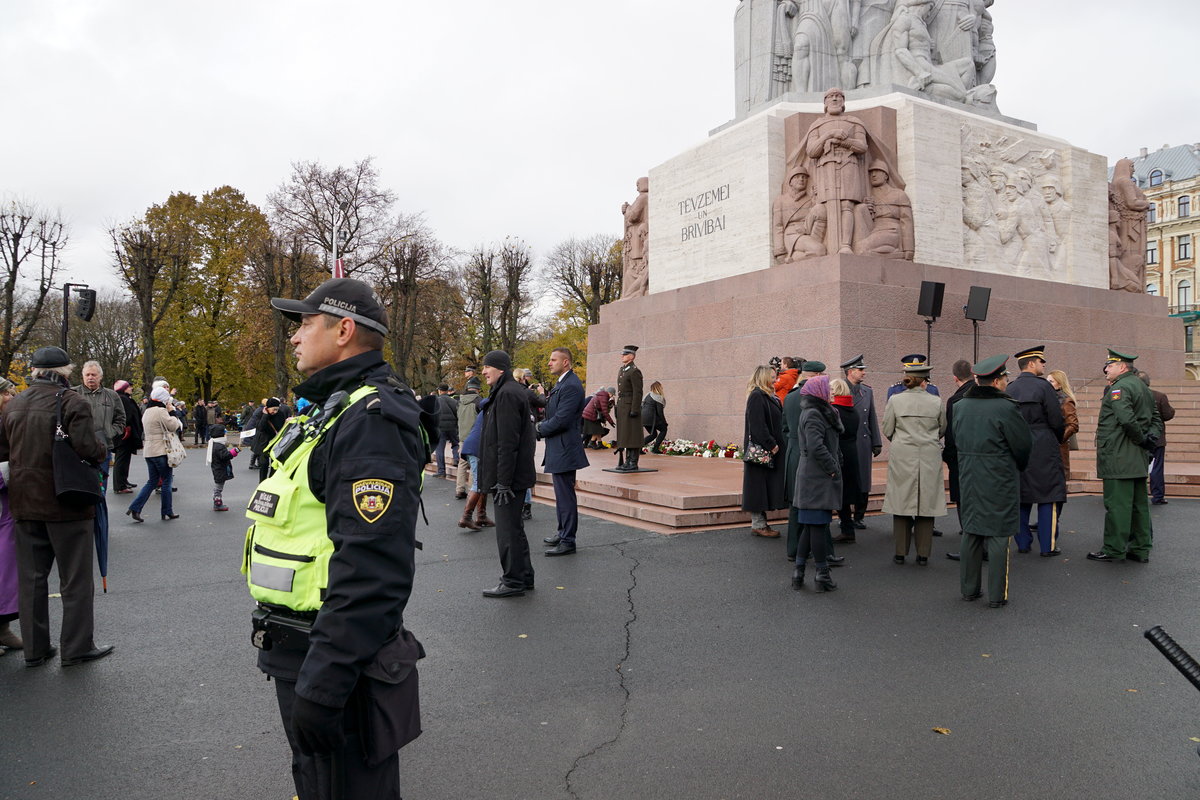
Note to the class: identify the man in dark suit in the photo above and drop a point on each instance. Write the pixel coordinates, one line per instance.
(564, 448)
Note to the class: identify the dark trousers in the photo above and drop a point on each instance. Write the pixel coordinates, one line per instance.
(1126, 517)
(860, 510)
(1157, 485)
(795, 531)
(157, 469)
(120, 470)
(1047, 522)
(656, 435)
(39, 546)
(439, 450)
(314, 774)
(201, 434)
(906, 529)
(567, 505)
(970, 566)
(513, 544)
(814, 539)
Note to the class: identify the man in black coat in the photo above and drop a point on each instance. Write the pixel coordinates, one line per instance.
(564, 448)
(506, 470)
(130, 441)
(870, 443)
(963, 381)
(1043, 482)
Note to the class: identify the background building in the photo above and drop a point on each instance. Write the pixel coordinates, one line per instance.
(1170, 177)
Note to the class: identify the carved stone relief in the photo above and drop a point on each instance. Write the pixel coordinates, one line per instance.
(635, 280)
(1127, 206)
(1014, 208)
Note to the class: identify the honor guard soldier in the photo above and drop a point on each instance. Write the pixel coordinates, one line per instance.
(329, 555)
(994, 444)
(1043, 481)
(1128, 429)
(911, 360)
(628, 412)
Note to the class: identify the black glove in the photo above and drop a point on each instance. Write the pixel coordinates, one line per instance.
(317, 727)
(876, 449)
(504, 495)
(1150, 441)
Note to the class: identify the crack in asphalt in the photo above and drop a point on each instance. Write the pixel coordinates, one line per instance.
(632, 618)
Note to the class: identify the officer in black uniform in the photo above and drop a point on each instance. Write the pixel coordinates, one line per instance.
(344, 671)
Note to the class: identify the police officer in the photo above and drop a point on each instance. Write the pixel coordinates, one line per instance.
(1127, 430)
(330, 554)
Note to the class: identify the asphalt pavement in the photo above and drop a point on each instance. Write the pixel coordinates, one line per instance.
(644, 666)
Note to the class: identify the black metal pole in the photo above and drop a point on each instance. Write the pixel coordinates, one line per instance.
(975, 334)
(929, 338)
(67, 308)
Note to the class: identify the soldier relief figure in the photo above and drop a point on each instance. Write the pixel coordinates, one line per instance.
(832, 202)
(635, 280)
(1126, 230)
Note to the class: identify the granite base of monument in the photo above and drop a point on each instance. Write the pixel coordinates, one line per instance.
(703, 341)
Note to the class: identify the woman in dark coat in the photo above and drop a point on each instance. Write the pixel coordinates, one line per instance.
(818, 479)
(762, 486)
(595, 413)
(654, 417)
(850, 418)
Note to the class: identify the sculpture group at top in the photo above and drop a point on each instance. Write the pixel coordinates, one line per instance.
(635, 274)
(942, 48)
(841, 193)
(1014, 209)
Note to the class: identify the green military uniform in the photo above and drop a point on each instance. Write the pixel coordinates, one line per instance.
(628, 413)
(994, 444)
(1127, 417)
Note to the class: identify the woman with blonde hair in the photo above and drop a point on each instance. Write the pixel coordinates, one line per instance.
(654, 417)
(1066, 398)
(762, 484)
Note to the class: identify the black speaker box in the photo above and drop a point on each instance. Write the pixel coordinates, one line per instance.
(977, 303)
(930, 304)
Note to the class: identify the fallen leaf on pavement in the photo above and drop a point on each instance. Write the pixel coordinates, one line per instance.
(942, 731)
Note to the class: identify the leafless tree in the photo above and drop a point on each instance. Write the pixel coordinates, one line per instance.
(152, 257)
(281, 266)
(497, 282)
(31, 245)
(586, 273)
(315, 202)
(110, 337)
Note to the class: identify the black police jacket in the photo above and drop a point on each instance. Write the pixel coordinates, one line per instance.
(377, 440)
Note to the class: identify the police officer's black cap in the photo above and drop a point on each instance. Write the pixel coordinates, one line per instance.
(854, 363)
(990, 368)
(1037, 351)
(629, 350)
(341, 297)
(49, 357)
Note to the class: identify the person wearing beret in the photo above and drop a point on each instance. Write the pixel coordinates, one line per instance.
(914, 421)
(48, 530)
(1043, 481)
(1127, 431)
(993, 443)
(628, 411)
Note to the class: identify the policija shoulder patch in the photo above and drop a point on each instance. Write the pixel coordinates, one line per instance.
(371, 498)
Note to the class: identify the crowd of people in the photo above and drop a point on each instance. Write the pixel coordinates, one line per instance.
(1003, 444)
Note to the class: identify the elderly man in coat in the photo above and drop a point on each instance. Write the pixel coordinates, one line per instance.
(914, 421)
(994, 443)
(564, 454)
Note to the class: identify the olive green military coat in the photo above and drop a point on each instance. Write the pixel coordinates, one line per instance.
(1127, 414)
(915, 421)
(994, 443)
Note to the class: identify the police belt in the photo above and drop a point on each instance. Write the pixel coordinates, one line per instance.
(276, 626)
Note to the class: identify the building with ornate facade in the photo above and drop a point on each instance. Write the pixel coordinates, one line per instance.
(1170, 177)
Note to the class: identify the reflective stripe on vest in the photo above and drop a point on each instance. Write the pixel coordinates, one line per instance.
(287, 550)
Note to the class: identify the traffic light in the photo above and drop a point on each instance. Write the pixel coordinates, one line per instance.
(85, 306)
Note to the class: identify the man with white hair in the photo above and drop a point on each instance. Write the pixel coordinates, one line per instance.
(108, 420)
(48, 530)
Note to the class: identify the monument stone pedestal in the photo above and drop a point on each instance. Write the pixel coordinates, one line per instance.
(704, 340)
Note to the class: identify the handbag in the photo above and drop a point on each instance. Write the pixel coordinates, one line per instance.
(1073, 443)
(76, 480)
(757, 454)
(175, 452)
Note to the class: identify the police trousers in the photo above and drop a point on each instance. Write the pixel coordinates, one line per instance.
(316, 775)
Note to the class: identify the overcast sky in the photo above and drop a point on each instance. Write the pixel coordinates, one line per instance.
(531, 118)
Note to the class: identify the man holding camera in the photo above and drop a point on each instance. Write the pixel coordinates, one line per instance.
(1127, 429)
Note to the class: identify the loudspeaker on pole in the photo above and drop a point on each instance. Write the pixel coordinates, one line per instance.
(977, 303)
(930, 304)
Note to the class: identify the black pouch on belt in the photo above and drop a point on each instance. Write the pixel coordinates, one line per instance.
(388, 698)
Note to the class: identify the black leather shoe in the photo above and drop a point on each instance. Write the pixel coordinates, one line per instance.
(844, 538)
(956, 557)
(504, 591)
(972, 597)
(1158, 502)
(563, 549)
(936, 532)
(137, 517)
(998, 604)
(1137, 558)
(551, 539)
(169, 517)
(1051, 553)
(529, 587)
(835, 560)
(1022, 549)
(922, 561)
(90, 655)
(897, 559)
(37, 662)
(1100, 555)
(858, 523)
